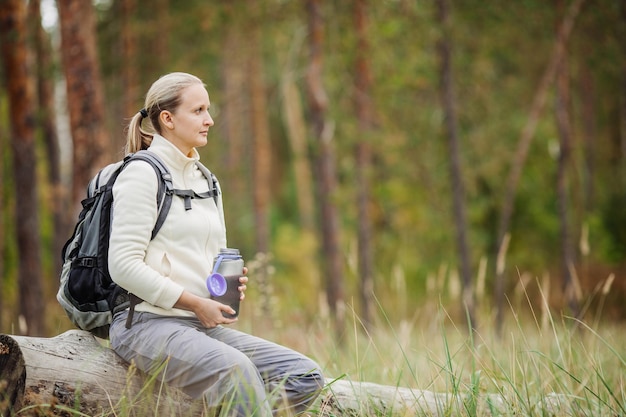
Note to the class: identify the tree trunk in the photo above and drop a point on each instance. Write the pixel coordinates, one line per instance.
(73, 371)
(160, 36)
(5, 214)
(325, 164)
(622, 110)
(131, 100)
(85, 95)
(262, 153)
(20, 87)
(365, 115)
(46, 119)
(564, 129)
(451, 129)
(523, 145)
(232, 122)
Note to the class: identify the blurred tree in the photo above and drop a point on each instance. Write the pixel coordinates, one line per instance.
(262, 157)
(260, 129)
(161, 35)
(4, 214)
(130, 80)
(46, 119)
(363, 153)
(448, 101)
(19, 82)
(231, 122)
(323, 131)
(91, 147)
(622, 118)
(571, 288)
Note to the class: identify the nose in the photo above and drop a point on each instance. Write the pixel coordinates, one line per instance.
(209, 119)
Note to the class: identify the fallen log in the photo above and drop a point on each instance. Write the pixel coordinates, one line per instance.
(73, 373)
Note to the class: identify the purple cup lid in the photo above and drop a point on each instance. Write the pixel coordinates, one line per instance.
(216, 283)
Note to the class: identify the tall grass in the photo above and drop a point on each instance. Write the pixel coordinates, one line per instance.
(565, 367)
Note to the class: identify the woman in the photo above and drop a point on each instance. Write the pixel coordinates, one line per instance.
(178, 332)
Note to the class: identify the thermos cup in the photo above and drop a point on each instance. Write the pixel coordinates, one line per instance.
(223, 283)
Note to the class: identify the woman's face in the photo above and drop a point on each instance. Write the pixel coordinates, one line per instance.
(188, 126)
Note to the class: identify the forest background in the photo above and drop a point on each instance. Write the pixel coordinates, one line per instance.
(379, 157)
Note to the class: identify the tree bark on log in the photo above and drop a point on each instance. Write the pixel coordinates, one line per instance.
(73, 373)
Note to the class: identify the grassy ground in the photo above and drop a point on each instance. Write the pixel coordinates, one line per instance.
(543, 363)
(537, 367)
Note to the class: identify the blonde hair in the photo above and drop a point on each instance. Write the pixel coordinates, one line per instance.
(164, 94)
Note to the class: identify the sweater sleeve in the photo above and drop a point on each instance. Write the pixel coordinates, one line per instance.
(134, 217)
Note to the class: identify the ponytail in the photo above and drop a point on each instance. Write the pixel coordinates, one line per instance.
(137, 138)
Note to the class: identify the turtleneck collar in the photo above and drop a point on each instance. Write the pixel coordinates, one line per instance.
(170, 153)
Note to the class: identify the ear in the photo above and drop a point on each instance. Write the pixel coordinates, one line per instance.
(166, 120)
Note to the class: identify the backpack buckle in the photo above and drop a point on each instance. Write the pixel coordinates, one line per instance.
(87, 262)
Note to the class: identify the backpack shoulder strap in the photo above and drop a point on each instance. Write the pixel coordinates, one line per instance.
(214, 189)
(166, 187)
(214, 186)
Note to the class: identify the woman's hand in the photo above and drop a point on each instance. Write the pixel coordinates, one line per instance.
(243, 281)
(208, 311)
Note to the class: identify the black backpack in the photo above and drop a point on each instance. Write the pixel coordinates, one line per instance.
(86, 292)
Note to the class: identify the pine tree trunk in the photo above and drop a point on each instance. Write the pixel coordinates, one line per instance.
(323, 131)
(232, 123)
(564, 129)
(364, 112)
(260, 129)
(5, 212)
(622, 122)
(46, 119)
(451, 130)
(131, 100)
(262, 154)
(161, 35)
(20, 88)
(85, 97)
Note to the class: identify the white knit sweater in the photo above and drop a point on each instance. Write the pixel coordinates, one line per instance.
(181, 255)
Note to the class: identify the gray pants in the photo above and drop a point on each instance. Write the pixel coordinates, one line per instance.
(240, 374)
